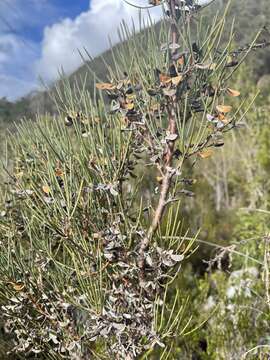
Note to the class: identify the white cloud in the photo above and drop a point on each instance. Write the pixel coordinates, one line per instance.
(9, 45)
(16, 73)
(18, 54)
(90, 30)
(13, 88)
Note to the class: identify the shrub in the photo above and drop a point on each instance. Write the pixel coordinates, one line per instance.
(90, 249)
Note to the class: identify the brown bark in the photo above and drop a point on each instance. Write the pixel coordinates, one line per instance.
(168, 159)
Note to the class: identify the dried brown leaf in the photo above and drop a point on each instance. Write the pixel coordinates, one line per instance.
(46, 189)
(224, 108)
(206, 153)
(233, 92)
(105, 86)
(177, 79)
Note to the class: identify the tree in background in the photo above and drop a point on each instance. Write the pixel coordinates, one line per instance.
(90, 247)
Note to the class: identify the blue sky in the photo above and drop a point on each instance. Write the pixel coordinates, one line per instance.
(38, 37)
(44, 13)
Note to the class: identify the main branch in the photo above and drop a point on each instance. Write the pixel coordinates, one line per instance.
(167, 159)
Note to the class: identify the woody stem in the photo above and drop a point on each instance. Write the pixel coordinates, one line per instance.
(167, 161)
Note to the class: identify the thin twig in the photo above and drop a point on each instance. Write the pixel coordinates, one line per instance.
(229, 248)
(141, 7)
